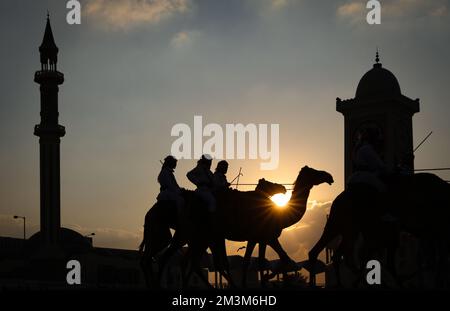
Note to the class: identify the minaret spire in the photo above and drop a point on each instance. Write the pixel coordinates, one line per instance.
(49, 132)
(48, 48)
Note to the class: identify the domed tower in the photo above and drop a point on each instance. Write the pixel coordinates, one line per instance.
(49, 132)
(380, 105)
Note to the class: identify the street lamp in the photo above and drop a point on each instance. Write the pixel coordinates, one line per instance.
(89, 237)
(24, 225)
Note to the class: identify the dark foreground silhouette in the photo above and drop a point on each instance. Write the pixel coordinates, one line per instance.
(417, 204)
(242, 216)
(198, 232)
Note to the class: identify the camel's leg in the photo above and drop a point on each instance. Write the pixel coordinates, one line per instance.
(261, 258)
(146, 262)
(335, 221)
(202, 277)
(187, 274)
(441, 263)
(421, 264)
(187, 268)
(195, 256)
(147, 269)
(248, 254)
(156, 238)
(357, 264)
(327, 235)
(219, 253)
(165, 259)
(275, 244)
(145, 259)
(229, 279)
(227, 276)
(391, 256)
(337, 258)
(176, 244)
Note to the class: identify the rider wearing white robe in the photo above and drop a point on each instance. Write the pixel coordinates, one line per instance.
(169, 190)
(202, 177)
(220, 181)
(368, 164)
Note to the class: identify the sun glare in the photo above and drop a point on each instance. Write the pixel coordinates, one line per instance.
(281, 199)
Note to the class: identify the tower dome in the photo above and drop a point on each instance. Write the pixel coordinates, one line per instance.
(379, 105)
(378, 83)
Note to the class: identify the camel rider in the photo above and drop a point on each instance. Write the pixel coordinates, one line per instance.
(368, 165)
(169, 190)
(220, 181)
(202, 177)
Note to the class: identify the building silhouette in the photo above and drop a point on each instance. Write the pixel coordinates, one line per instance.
(49, 132)
(379, 104)
(40, 262)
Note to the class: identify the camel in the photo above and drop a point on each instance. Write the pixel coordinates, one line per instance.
(419, 204)
(162, 217)
(271, 221)
(242, 218)
(257, 221)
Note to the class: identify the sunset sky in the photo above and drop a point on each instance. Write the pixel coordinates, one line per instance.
(135, 68)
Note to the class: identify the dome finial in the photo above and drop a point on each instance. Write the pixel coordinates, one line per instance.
(377, 60)
(48, 15)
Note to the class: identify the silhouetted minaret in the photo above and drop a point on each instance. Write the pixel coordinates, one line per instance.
(49, 132)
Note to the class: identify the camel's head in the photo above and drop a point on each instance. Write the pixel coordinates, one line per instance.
(314, 177)
(269, 188)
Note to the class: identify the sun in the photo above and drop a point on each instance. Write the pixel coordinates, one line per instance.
(281, 199)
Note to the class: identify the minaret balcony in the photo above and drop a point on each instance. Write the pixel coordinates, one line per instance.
(49, 130)
(48, 76)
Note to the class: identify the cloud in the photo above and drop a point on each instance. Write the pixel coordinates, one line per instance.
(316, 204)
(414, 8)
(301, 237)
(126, 14)
(297, 240)
(278, 4)
(267, 8)
(183, 39)
(440, 11)
(355, 11)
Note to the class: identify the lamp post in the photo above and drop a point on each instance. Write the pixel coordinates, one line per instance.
(24, 225)
(89, 237)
